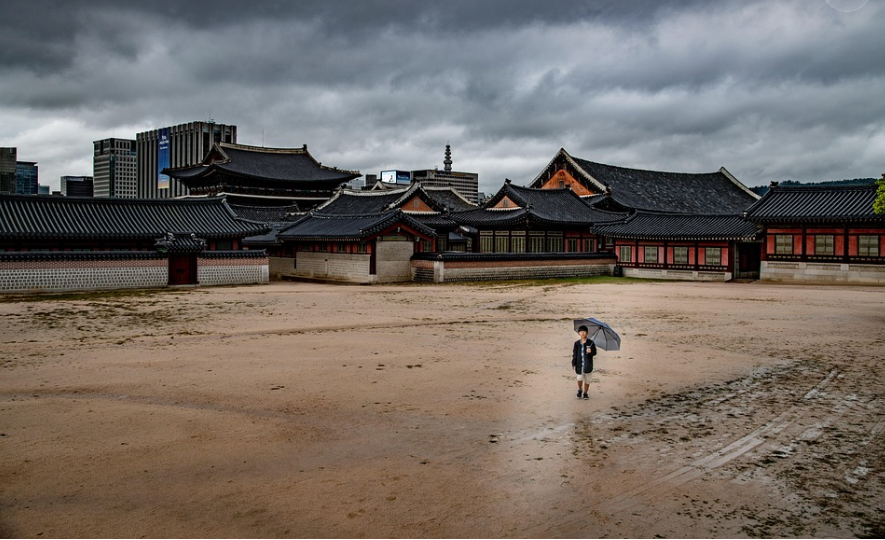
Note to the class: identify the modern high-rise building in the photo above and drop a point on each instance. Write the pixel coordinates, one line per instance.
(77, 186)
(466, 183)
(8, 158)
(26, 177)
(184, 145)
(114, 168)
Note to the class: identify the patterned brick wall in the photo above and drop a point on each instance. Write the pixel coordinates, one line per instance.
(232, 271)
(31, 276)
(79, 274)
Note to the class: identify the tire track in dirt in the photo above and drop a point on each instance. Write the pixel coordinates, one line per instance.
(662, 485)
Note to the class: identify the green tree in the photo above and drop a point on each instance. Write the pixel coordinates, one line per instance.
(879, 204)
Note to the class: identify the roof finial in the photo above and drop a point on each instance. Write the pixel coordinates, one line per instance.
(448, 161)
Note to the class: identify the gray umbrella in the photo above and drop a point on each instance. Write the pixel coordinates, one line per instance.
(602, 334)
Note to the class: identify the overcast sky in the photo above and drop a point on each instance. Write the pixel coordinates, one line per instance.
(771, 90)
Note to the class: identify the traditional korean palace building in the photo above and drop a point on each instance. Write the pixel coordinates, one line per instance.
(528, 220)
(360, 236)
(60, 243)
(258, 176)
(821, 234)
(525, 233)
(675, 225)
(257, 213)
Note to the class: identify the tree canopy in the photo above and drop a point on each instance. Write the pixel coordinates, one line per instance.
(879, 204)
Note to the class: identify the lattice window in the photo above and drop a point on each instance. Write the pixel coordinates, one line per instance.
(713, 256)
(783, 244)
(824, 244)
(868, 246)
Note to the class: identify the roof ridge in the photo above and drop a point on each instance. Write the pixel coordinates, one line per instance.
(264, 149)
(111, 200)
(818, 187)
(651, 170)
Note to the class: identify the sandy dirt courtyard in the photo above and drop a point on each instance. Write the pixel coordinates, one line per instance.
(310, 410)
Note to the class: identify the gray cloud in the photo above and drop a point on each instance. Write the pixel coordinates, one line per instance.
(771, 90)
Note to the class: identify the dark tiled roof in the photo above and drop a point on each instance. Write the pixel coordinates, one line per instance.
(671, 192)
(180, 243)
(264, 214)
(815, 203)
(274, 164)
(485, 217)
(435, 221)
(652, 226)
(270, 238)
(348, 202)
(49, 217)
(326, 227)
(449, 197)
(541, 206)
(702, 193)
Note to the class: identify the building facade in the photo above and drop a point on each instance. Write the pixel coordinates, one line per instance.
(77, 186)
(8, 158)
(260, 176)
(26, 177)
(115, 168)
(467, 183)
(365, 249)
(686, 226)
(821, 234)
(184, 145)
(52, 243)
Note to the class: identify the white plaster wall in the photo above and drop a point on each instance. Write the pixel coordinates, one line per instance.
(393, 261)
(350, 267)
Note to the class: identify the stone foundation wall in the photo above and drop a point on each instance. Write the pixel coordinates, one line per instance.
(486, 268)
(823, 272)
(682, 275)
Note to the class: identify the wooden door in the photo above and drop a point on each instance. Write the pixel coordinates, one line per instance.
(182, 269)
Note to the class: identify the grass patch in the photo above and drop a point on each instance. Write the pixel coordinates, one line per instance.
(90, 295)
(589, 280)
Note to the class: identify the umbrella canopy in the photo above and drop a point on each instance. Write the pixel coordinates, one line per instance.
(602, 334)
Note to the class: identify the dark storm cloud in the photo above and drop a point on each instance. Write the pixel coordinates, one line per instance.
(769, 89)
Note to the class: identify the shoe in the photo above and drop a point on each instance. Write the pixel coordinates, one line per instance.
(586, 396)
(579, 394)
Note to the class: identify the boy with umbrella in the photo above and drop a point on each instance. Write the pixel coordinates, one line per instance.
(582, 361)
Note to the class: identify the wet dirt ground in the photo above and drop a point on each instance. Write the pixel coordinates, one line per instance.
(306, 410)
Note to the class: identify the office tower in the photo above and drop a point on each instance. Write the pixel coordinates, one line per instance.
(26, 176)
(8, 157)
(77, 186)
(114, 168)
(184, 145)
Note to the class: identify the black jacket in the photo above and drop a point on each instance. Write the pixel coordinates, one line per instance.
(588, 361)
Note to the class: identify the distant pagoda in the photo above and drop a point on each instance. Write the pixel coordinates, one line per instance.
(258, 176)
